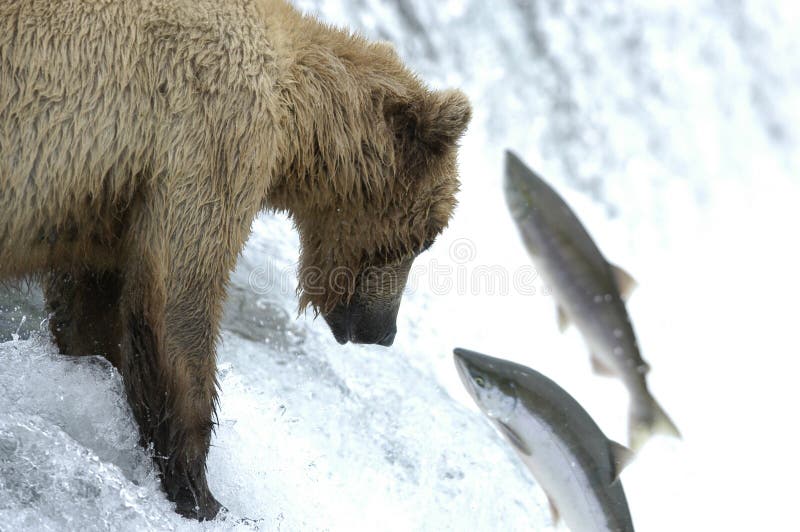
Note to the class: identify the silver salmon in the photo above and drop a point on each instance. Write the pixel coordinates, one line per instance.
(589, 291)
(570, 457)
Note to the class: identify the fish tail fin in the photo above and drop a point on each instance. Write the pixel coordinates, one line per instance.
(647, 419)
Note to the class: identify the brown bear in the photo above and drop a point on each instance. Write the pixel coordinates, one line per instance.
(139, 139)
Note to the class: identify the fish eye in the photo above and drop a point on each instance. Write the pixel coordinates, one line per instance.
(480, 381)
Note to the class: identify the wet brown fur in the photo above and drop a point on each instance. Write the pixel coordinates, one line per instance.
(139, 139)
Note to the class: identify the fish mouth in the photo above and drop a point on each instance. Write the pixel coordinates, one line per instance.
(496, 398)
(466, 357)
(460, 357)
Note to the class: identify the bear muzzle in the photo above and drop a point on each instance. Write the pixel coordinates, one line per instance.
(370, 315)
(358, 323)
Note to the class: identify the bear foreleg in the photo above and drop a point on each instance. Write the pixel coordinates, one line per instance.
(168, 366)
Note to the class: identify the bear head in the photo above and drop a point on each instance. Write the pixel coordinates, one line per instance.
(370, 187)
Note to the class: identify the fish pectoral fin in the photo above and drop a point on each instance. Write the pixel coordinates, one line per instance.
(514, 438)
(621, 456)
(554, 515)
(625, 281)
(563, 319)
(600, 367)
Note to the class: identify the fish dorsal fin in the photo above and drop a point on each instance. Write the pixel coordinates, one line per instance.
(625, 281)
(621, 456)
(563, 319)
(514, 438)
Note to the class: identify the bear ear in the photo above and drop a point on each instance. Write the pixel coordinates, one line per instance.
(436, 122)
(448, 114)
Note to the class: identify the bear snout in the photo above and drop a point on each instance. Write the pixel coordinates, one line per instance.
(389, 338)
(338, 321)
(356, 323)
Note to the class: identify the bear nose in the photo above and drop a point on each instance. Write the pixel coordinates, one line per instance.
(388, 339)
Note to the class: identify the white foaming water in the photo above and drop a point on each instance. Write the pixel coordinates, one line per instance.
(670, 129)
